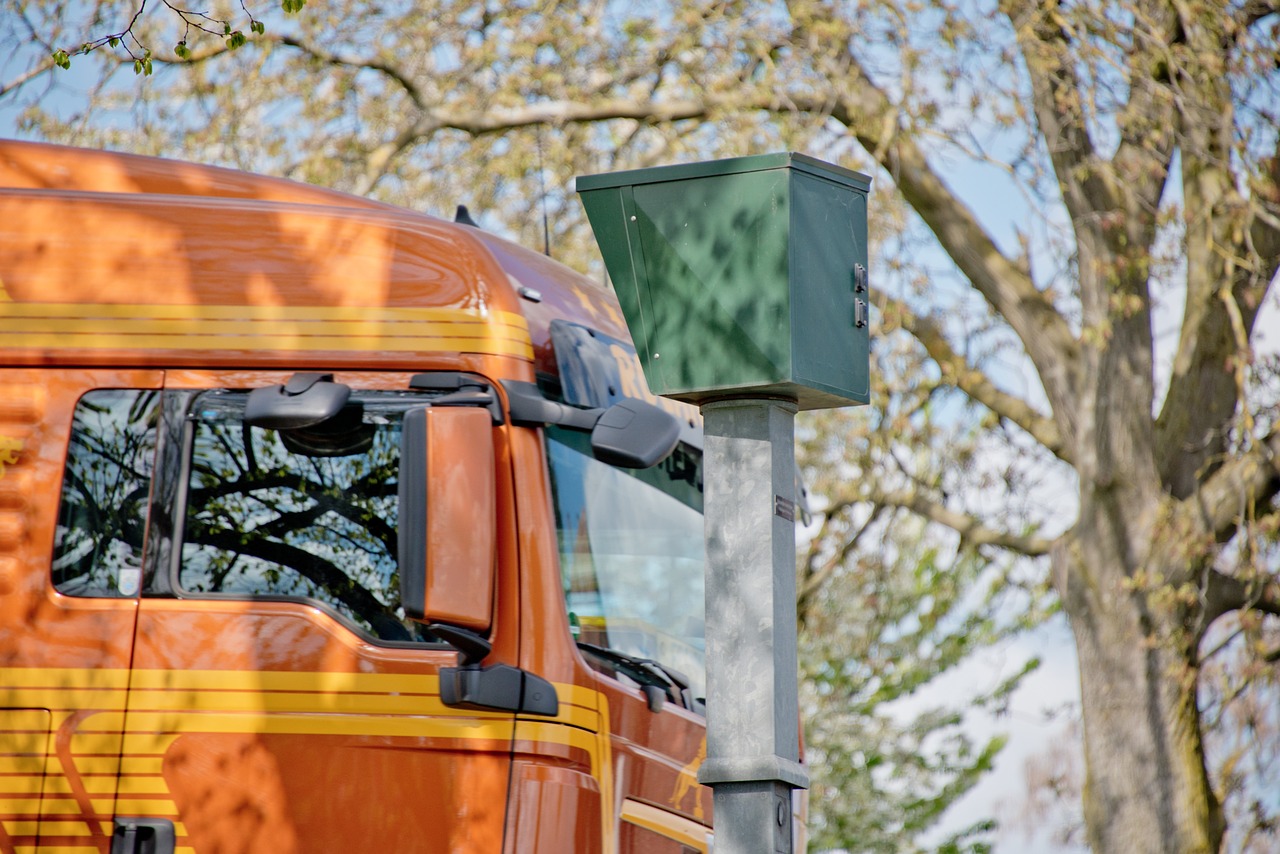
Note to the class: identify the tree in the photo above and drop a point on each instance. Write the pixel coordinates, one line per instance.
(1097, 328)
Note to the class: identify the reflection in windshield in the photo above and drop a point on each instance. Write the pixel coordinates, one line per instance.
(632, 554)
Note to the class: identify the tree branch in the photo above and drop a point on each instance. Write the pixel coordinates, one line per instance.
(1007, 286)
(1042, 35)
(816, 577)
(1253, 478)
(1226, 593)
(1253, 11)
(1140, 167)
(348, 61)
(971, 530)
(1264, 231)
(957, 371)
(42, 67)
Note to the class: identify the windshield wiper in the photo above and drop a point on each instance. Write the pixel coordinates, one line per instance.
(657, 681)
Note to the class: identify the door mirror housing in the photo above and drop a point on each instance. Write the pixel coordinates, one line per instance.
(631, 433)
(448, 516)
(634, 434)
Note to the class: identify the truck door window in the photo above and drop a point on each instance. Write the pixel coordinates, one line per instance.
(102, 516)
(309, 514)
(632, 555)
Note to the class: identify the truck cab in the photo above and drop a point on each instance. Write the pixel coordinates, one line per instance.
(330, 526)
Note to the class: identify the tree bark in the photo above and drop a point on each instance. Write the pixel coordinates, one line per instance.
(1130, 578)
(1145, 788)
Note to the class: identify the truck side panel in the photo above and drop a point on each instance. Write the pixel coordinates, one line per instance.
(64, 660)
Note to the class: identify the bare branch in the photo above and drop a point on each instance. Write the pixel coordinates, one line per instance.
(42, 67)
(1046, 46)
(1249, 480)
(970, 529)
(1253, 11)
(957, 371)
(1264, 231)
(500, 119)
(1226, 593)
(1147, 139)
(816, 577)
(349, 61)
(1007, 286)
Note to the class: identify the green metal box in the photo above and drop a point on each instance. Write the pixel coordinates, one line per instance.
(744, 277)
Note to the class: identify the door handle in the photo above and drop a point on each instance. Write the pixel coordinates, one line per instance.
(143, 836)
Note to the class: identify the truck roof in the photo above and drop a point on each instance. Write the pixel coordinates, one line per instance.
(110, 258)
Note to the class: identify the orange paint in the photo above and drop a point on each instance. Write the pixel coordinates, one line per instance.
(276, 723)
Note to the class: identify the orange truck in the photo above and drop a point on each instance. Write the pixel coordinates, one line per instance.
(329, 526)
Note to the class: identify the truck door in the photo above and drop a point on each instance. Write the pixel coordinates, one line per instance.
(77, 451)
(280, 700)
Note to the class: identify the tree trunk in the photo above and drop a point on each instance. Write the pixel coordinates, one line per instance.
(1146, 789)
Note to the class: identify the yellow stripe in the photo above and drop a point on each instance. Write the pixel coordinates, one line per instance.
(159, 807)
(21, 764)
(666, 824)
(58, 785)
(91, 765)
(62, 677)
(279, 680)
(278, 341)
(16, 745)
(345, 328)
(36, 806)
(596, 744)
(147, 728)
(13, 787)
(470, 328)
(48, 828)
(351, 313)
(58, 699)
(130, 765)
(163, 705)
(141, 786)
(261, 701)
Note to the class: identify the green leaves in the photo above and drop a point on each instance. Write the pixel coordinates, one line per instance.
(194, 26)
(292, 6)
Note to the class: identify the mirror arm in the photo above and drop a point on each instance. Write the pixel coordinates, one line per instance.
(472, 648)
(498, 687)
(530, 409)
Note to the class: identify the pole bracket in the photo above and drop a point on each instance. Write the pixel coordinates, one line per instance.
(754, 768)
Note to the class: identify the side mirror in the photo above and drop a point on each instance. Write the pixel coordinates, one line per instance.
(634, 434)
(448, 516)
(305, 401)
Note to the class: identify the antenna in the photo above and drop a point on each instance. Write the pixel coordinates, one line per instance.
(542, 187)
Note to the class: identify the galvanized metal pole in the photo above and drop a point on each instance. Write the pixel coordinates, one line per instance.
(753, 742)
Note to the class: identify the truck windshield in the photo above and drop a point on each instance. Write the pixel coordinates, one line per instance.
(632, 554)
